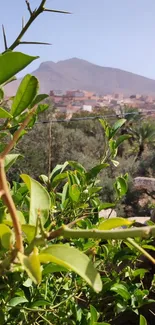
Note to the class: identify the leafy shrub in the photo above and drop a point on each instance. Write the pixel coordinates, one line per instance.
(56, 253)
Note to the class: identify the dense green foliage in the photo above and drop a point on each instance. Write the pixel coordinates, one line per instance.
(60, 262)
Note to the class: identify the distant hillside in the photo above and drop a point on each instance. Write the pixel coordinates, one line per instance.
(79, 74)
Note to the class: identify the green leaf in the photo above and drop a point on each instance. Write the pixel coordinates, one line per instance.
(77, 166)
(121, 186)
(26, 92)
(58, 178)
(150, 247)
(142, 320)
(1, 94)
(57, 170)
(31, 265)
(114, 223)
(4, 113)
(13, 62)
(39, 200)
(17, 301)
(121, 290)
(113, 149)
(106, 205)
(104, 124)
(94, 315)
(117, 125)
(53, 268)
(44, 179)
(40, 303)
(20, 216)
(10, 159)
(95, 170)
(39, 98)
(122, 138)
(74, 192)
(64, 193)
(29, 232)
(74, 260)
(94, 189)
(41, 108)
(140, 272)
(5, 236)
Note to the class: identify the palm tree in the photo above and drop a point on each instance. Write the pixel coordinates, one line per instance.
(145, 135)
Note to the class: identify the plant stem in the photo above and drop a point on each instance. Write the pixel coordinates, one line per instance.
(143, 232)
(8, 201)
(4, 189)
(140, 249)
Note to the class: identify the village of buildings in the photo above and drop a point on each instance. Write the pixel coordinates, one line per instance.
(73, 101)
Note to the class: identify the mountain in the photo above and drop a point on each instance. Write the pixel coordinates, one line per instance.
(80, 74)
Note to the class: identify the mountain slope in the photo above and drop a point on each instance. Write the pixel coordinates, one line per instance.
(79, 74)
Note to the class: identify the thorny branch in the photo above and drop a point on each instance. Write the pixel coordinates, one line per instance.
(33, 15)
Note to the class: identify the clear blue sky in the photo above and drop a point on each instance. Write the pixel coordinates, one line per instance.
(114, 33)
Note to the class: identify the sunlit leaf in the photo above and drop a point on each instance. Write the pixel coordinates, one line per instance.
(121, 290)
(4, 113)
(26, 92)
(94, 315)
(115, 162)
(139, 272)
(17, 301)
(121, 186)
(31, 265)
(29, 231)
(74, 260)
(10, 159)
(44, 179)
(106, 205)
(19, 215)
(13, 62)
(114, 223)
(39, 200)
(74, 192)
(142, 320)
(5, 236)
(65, 193)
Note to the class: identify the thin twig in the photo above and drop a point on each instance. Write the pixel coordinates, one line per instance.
(35, 43)
(49, 152)
(8, 201)
(72, 223)
(4, 36)
(29, 7)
